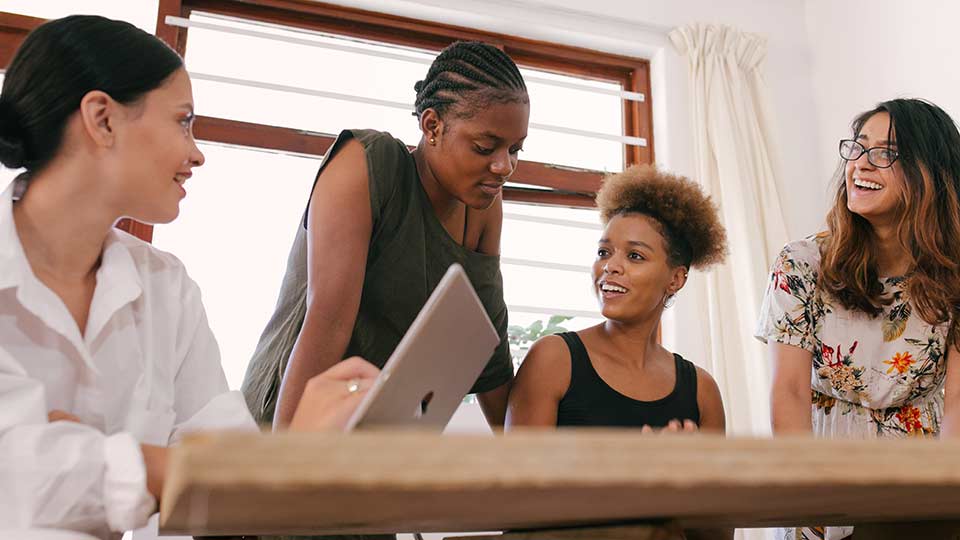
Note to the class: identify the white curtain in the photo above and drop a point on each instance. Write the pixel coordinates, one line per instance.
(733, 141)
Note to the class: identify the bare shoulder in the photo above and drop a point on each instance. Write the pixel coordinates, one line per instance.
(547, 364)
(710, 402)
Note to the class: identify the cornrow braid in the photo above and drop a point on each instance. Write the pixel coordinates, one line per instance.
(469, 72)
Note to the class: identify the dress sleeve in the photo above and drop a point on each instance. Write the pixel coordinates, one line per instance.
(789, 310)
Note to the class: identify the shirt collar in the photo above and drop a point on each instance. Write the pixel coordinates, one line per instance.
(118, 279)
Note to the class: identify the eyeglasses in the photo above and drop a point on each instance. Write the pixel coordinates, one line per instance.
(878, 156)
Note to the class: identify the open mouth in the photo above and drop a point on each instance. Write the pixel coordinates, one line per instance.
(180, 179)
(610, 290)
(866, 185)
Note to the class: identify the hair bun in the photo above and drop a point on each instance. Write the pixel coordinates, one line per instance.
(12, 146)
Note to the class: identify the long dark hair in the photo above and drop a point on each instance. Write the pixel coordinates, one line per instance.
(928, 225)
(61, 61)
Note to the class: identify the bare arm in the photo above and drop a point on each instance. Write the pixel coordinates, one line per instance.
(494, 405)
(790, 393)
(712, 417)
(951, 404)
(339, 227)
(327, 404)
(541, 382)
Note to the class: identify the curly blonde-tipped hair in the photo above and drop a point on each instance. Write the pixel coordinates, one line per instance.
(688, 219)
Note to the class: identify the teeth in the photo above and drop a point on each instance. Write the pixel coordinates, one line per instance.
(868, 185)
(606, 287)
(180, 179)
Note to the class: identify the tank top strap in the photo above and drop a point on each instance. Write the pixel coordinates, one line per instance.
(580, 367)
(686, 378)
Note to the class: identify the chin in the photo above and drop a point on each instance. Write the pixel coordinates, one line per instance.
(481, 203)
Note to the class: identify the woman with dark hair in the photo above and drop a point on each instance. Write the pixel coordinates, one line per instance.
(383, 224)
(106, 357)
(617, 373)
(862, 319)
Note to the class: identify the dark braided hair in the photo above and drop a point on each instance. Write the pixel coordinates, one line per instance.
(469, 72)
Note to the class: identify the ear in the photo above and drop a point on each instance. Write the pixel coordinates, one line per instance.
(98, 115)
(431, 125)
(678, 279)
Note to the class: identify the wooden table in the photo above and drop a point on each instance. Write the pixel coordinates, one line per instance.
(380, 482)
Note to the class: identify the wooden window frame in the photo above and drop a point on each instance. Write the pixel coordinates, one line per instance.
(560, 185)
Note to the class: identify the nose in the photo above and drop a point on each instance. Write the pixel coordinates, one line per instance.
(863, 162)
(613, 266)
(502, 165)
(196, 158)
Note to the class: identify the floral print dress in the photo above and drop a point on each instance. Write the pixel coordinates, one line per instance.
(872, 376)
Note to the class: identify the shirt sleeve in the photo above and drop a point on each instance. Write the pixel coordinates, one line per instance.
(789, 310)
(64, 474)
(203, 400)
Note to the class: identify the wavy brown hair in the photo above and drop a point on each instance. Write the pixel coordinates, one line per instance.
(928, 226)
(688, 219)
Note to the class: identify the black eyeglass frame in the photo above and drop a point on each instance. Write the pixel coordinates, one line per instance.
(867, 151)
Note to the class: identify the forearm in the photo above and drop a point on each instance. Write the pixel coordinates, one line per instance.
(494, 405)
(302, 367)
(790, 411)
(155, 461)
(950, 426)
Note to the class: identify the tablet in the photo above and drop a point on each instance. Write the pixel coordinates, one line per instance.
(436, 362)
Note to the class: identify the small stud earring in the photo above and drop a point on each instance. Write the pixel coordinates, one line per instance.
(433, 141)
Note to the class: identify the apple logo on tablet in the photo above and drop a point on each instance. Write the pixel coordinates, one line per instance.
(424, 403)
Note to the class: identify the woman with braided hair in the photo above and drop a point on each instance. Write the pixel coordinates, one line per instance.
(383, 224)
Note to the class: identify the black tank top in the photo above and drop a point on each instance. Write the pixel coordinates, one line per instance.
(589, 401)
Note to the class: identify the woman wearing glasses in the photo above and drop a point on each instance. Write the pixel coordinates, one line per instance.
(864, 314)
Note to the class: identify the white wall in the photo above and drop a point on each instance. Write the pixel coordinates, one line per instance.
(866, 52)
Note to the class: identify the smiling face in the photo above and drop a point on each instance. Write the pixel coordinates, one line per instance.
(475, 155)
(872, 192)
(632, 274)
(155, 152)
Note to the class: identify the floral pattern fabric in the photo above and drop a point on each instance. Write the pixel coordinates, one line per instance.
(872, 376)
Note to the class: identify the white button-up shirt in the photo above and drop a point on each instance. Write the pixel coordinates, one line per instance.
(146, 370)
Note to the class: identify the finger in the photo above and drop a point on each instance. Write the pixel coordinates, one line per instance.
(56, 415)
(646, 429)
(690, 425)
(673, 425)
(352, 368)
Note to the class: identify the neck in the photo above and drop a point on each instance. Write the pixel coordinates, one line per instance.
(892, 259)
(61, 224)
(444, 204)
(635, 342)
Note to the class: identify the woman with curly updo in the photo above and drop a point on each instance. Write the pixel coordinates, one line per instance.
(618, 374)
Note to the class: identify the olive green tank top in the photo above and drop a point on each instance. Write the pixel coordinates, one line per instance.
(409, 252)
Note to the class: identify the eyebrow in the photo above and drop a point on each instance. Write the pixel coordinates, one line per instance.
(631, 242)
(883, 142)
(490, 135)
